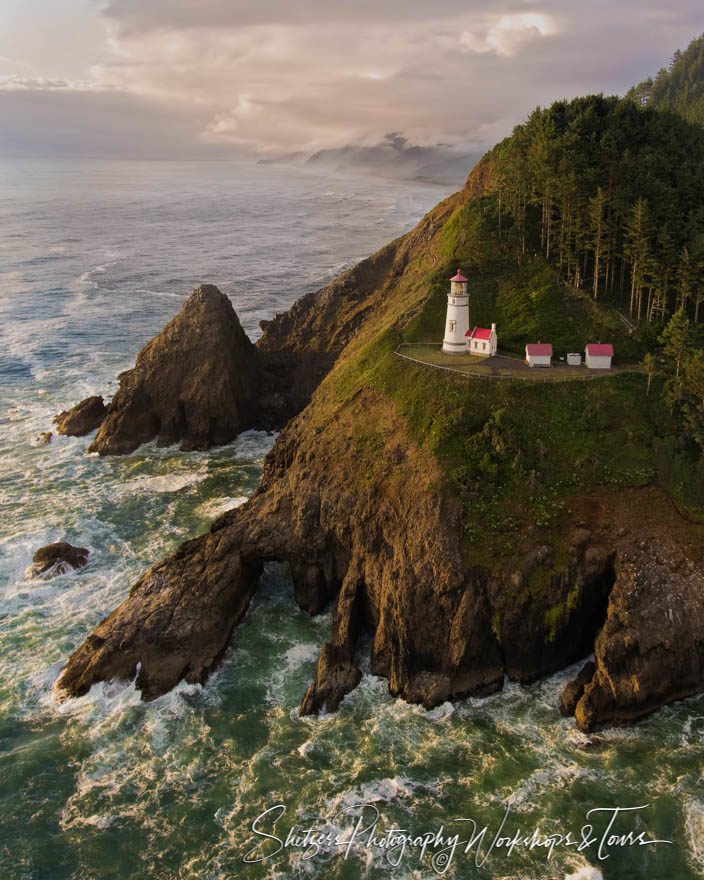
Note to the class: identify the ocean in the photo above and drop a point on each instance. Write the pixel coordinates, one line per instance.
(95, 257)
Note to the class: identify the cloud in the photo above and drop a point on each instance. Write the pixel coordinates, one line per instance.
(279, 86)
(16, 83)
(507, 33)
(289, 75)
(149, 15)
(66, 122)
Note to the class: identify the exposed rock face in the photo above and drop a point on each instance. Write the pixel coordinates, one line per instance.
(83, 418)
(55, 559)
(390, 552)
(545, 630)
(175, 623)
(392, 557)
(364, 519)
(196, 382)
(650, 651)
(337, 676)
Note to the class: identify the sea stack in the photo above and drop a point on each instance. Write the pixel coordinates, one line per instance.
(195, 383)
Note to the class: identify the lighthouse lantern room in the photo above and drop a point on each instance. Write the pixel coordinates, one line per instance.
(457, 323)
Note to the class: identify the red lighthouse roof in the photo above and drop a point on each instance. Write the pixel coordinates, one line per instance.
(458, 277)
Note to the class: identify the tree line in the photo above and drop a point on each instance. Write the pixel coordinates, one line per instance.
(680, 87)
(613, 194)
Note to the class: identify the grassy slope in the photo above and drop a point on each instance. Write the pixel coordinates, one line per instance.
(516, 453)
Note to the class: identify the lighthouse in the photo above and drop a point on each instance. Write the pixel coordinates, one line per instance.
(457, 322)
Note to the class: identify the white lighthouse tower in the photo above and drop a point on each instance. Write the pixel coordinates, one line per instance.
(457, 323)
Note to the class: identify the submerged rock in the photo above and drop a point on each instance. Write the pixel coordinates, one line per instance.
(195, 383)
(44, 438)
(56, 559)
(81, 419)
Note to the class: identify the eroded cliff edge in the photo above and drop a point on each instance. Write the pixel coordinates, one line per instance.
(363, 512)
(392, 556)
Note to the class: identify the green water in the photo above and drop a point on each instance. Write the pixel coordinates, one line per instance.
(108, 788)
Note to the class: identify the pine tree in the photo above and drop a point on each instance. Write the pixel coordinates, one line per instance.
(597, 205)
(650, 362)
(684, 278)
(677, 339)
(637, 234)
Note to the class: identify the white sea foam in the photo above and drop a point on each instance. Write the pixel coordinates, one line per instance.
(441, 713)
(527, 795)
(173, 482)
(396, 788)
(296, 656)
(694, 827)
(254, 445)
(156, 772)
(585, 872)
(217, 506)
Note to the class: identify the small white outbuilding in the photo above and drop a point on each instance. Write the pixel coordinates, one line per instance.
(574, 359)
(539, 354)
(597, 355)
(482, 341)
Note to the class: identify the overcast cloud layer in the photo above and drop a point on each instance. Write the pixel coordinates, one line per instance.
(209, 77)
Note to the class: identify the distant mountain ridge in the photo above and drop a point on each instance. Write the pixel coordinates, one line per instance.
(393, 156)
(396, 156)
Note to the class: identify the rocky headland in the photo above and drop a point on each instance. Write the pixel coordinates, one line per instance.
(365, 515)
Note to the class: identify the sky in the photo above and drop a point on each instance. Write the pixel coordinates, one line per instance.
(212, 78)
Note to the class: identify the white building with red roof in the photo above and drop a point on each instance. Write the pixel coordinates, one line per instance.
(457, 320)
(539, 354)
(597, 355)
(482, 341)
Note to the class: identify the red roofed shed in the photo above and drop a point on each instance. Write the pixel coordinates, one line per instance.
(538, 354)
(598, 355)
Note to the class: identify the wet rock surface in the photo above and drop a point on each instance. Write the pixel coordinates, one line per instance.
(55, 559)
(650, 650)
(573, 691)
(175, 623)
(81, 419)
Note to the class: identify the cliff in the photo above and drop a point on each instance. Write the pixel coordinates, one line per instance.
(474, 531)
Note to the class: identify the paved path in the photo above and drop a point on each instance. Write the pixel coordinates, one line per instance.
(501, 367)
